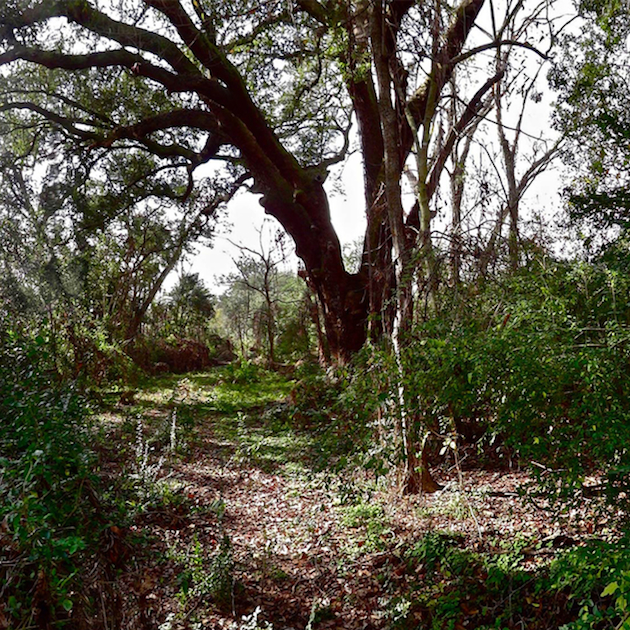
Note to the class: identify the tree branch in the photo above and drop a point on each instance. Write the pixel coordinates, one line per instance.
(83, 14)
(454, 39)
(497, 44)
(316, 10)
(466, 118)
(62, 121)
(194, 118)
(197, 41)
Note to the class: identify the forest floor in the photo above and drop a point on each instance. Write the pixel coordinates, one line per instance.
(236, 522)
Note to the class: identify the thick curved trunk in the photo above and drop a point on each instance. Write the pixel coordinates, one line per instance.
(305, 215)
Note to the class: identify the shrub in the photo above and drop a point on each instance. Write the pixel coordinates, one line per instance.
(48, 503)
(539, 358)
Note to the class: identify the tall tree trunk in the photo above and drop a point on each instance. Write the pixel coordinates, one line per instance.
(323, 352)
(402, 259)
(303, 210)
(509, 159)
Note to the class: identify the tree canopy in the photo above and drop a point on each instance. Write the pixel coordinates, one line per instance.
(144, 93)
(592, 81)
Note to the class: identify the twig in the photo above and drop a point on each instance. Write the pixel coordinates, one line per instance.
(460, 481)
(104, 611)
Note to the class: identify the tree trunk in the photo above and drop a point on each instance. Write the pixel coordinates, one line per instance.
(305, 214)
(323, 352)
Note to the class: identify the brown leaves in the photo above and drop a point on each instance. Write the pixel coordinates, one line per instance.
(295, 556)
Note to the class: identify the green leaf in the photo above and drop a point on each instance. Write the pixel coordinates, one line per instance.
(610, 589)
(67, 604)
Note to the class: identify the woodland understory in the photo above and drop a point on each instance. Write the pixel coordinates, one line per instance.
(239, 498)
(246, 519)
(426, 429)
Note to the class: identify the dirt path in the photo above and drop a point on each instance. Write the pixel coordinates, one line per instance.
(244, 531)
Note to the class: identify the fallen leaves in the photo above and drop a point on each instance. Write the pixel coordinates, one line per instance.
(295, 558)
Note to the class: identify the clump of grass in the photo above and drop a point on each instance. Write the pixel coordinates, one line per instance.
(207, 575)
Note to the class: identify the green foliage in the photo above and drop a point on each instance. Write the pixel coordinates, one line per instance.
(265, 309)
(495, 588)
(433, 550)
(371, 521)
(176, 355)
(250, 622)
(592, 109)
(185, 312)
(540, 358)
(597, 578)
(208, 574)
(328, 409)
(453, 584)
(243, 373)
(48, 501)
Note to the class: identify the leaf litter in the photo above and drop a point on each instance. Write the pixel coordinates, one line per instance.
(240, 544)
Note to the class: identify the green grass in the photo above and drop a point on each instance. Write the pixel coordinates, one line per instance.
(248, 418)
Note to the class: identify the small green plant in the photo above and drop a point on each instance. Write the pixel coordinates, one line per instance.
(371, 520)
(146, 472)
(363, 515)
(433, 550)
(207, 574)
(619, 589)
(320, 611)
(455, 504)
(250, 622)
(398, 611)
(597, 576)
(243, 372)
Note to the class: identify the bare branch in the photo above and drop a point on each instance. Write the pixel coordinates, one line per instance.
(497, 44)
(315, 10)
(66, 123)
(454, 39)
(471, 111)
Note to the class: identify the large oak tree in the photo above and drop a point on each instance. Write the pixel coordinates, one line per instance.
(268, 90)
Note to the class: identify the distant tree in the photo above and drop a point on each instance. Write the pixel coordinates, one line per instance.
(594, 111)
(191, 305)
(261, 290)
(65, 241)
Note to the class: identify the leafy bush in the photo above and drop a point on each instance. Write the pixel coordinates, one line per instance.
(538, 359)
(542, 359)
(174, 355)
(243, 372)
(48, 503)
(596, 578)
(207, 574)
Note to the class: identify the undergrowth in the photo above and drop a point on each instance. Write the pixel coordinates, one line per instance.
(52, 518)
(58, 518)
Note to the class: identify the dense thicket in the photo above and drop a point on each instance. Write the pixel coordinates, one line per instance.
(52, 518)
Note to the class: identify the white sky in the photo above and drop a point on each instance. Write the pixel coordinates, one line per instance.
(246, 215)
